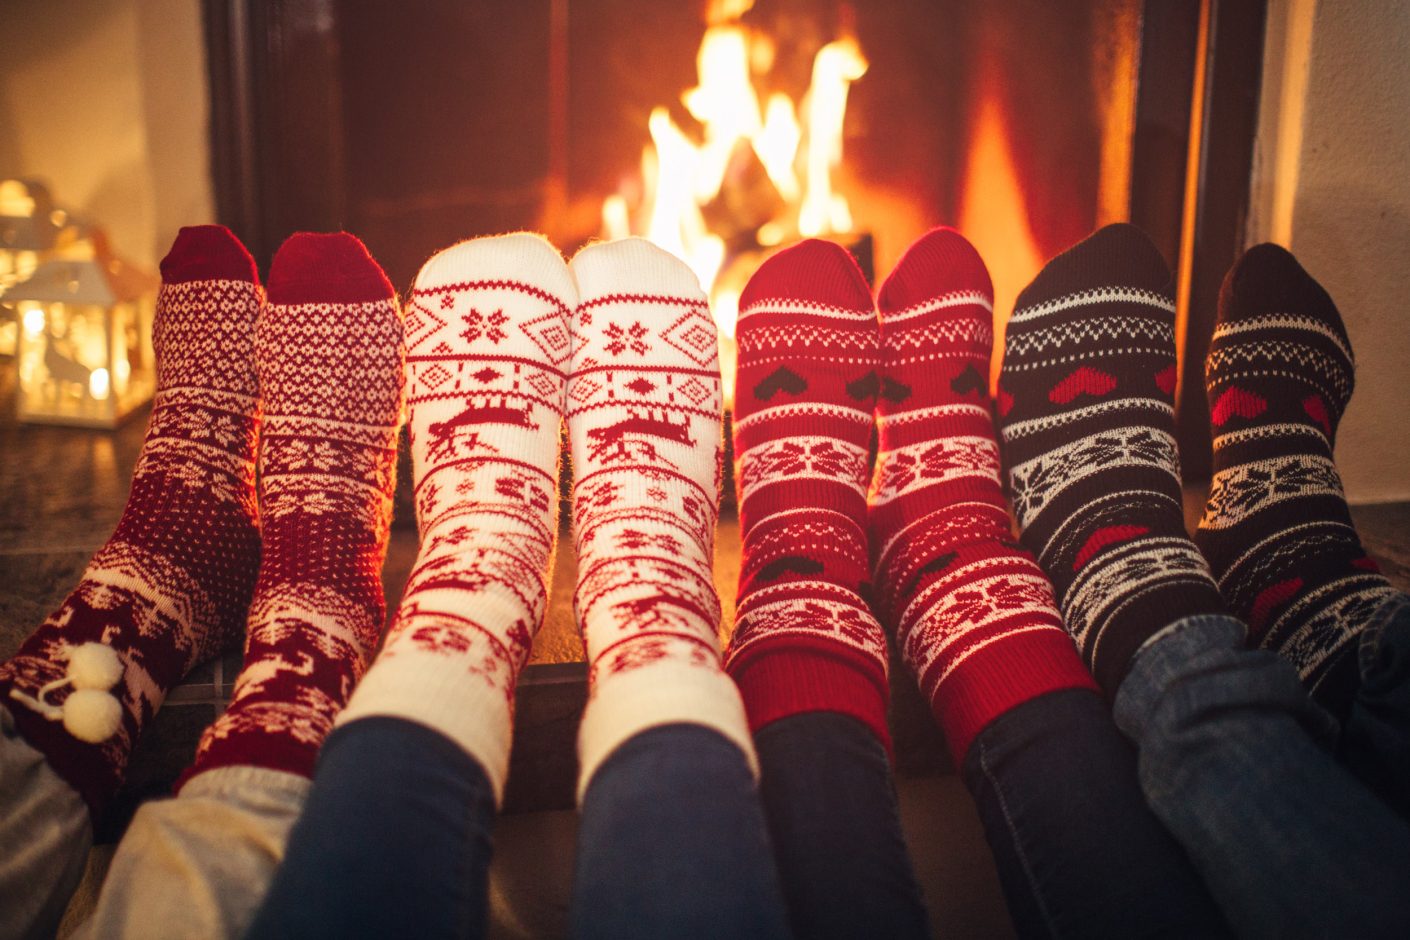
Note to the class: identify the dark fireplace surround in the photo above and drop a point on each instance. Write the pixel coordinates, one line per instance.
(420, 123)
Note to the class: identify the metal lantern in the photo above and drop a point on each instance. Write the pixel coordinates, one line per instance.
(85, 341)
(29, 225)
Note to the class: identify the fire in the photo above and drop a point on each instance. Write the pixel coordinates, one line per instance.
(994, 217)
(687, 207)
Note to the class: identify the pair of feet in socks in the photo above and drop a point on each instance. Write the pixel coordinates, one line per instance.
(1086, 413)
(924, 541)
(506, 341)
(308, 383)
(1085, 409)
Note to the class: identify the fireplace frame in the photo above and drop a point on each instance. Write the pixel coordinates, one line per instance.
(272, 63)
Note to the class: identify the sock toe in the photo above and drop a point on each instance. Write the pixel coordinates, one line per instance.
(812, 271)
(940, 261)
(330, 267)
(1268, 279)
(1119, 254)
(207, 253)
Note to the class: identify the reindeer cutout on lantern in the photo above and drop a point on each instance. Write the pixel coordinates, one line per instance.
(625, 439)
(466, 426)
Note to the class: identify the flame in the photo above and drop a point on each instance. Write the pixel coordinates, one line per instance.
(994, 218)
(798, 150)
(837, 66)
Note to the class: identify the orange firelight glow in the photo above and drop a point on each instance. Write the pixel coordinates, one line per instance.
(797, 146)
(994, 217)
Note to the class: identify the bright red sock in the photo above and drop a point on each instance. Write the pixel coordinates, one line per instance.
(328, 349)
(975, 617)
(171, 587)
(805, 639)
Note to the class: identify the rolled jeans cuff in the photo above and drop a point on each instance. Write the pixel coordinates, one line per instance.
(1202, 647)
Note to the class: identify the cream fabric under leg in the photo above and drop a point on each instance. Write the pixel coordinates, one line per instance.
(45, 835)
(198, 865)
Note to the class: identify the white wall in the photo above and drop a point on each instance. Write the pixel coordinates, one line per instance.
(1332, 183)
(107, 100)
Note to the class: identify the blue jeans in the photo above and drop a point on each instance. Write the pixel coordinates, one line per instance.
(1236, 760)
(1375, 741)
(1079, 852)
(395, 842)
(831, 809)
(672, 843)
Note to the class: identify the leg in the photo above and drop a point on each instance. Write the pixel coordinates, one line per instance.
(395, 840)
(1231, 760)
(808, 655)
(327, 461)
(830, 801)
(46, 828)
(673, 843)
(1078, 850)
(405, 792)
(1227, 756)
(1375, 740)
(200, 862)
(644, 424)
(1277, 530)
(171, 587)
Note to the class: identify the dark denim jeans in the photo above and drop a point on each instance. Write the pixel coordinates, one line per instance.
(672, 843)
(831, 809)
(393, 842)
(1375, 741)
(1237, 761)
(1078, 850)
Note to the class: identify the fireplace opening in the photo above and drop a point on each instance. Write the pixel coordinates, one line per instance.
(1025, 124)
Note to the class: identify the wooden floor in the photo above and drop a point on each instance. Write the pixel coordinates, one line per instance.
(62, 491)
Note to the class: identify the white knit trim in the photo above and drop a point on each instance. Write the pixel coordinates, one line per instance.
(1100, 295)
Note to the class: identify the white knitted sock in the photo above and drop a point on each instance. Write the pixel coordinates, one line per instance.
(644, 421)
(487, 346)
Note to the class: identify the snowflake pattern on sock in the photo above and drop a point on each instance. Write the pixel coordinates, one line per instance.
(328, 349)
(643, 418)
(172, 586)
(486, 410)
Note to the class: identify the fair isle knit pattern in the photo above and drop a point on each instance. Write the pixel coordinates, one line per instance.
(644, 424)
(1086, 412)
(171, 587)
(1276, 530)
(805, 639)
(487, 355)
(973, 614)
(328, 350)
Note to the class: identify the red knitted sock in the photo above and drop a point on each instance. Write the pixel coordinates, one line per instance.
(328, 349)
(172, 586)
(974, 616)
(805, 639)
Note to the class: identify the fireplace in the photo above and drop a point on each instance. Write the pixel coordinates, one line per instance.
(1024, 123)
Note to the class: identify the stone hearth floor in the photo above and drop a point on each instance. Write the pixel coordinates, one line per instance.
(62, 491)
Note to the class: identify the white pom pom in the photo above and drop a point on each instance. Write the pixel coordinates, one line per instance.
(91, 715)
(94, 666)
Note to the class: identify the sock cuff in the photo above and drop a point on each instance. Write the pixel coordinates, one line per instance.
(665, 693)
(440, 693)
(997, 678)
(792, 675)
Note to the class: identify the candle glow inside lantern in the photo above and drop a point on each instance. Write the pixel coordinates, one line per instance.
(85, 341)
(29, 228)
